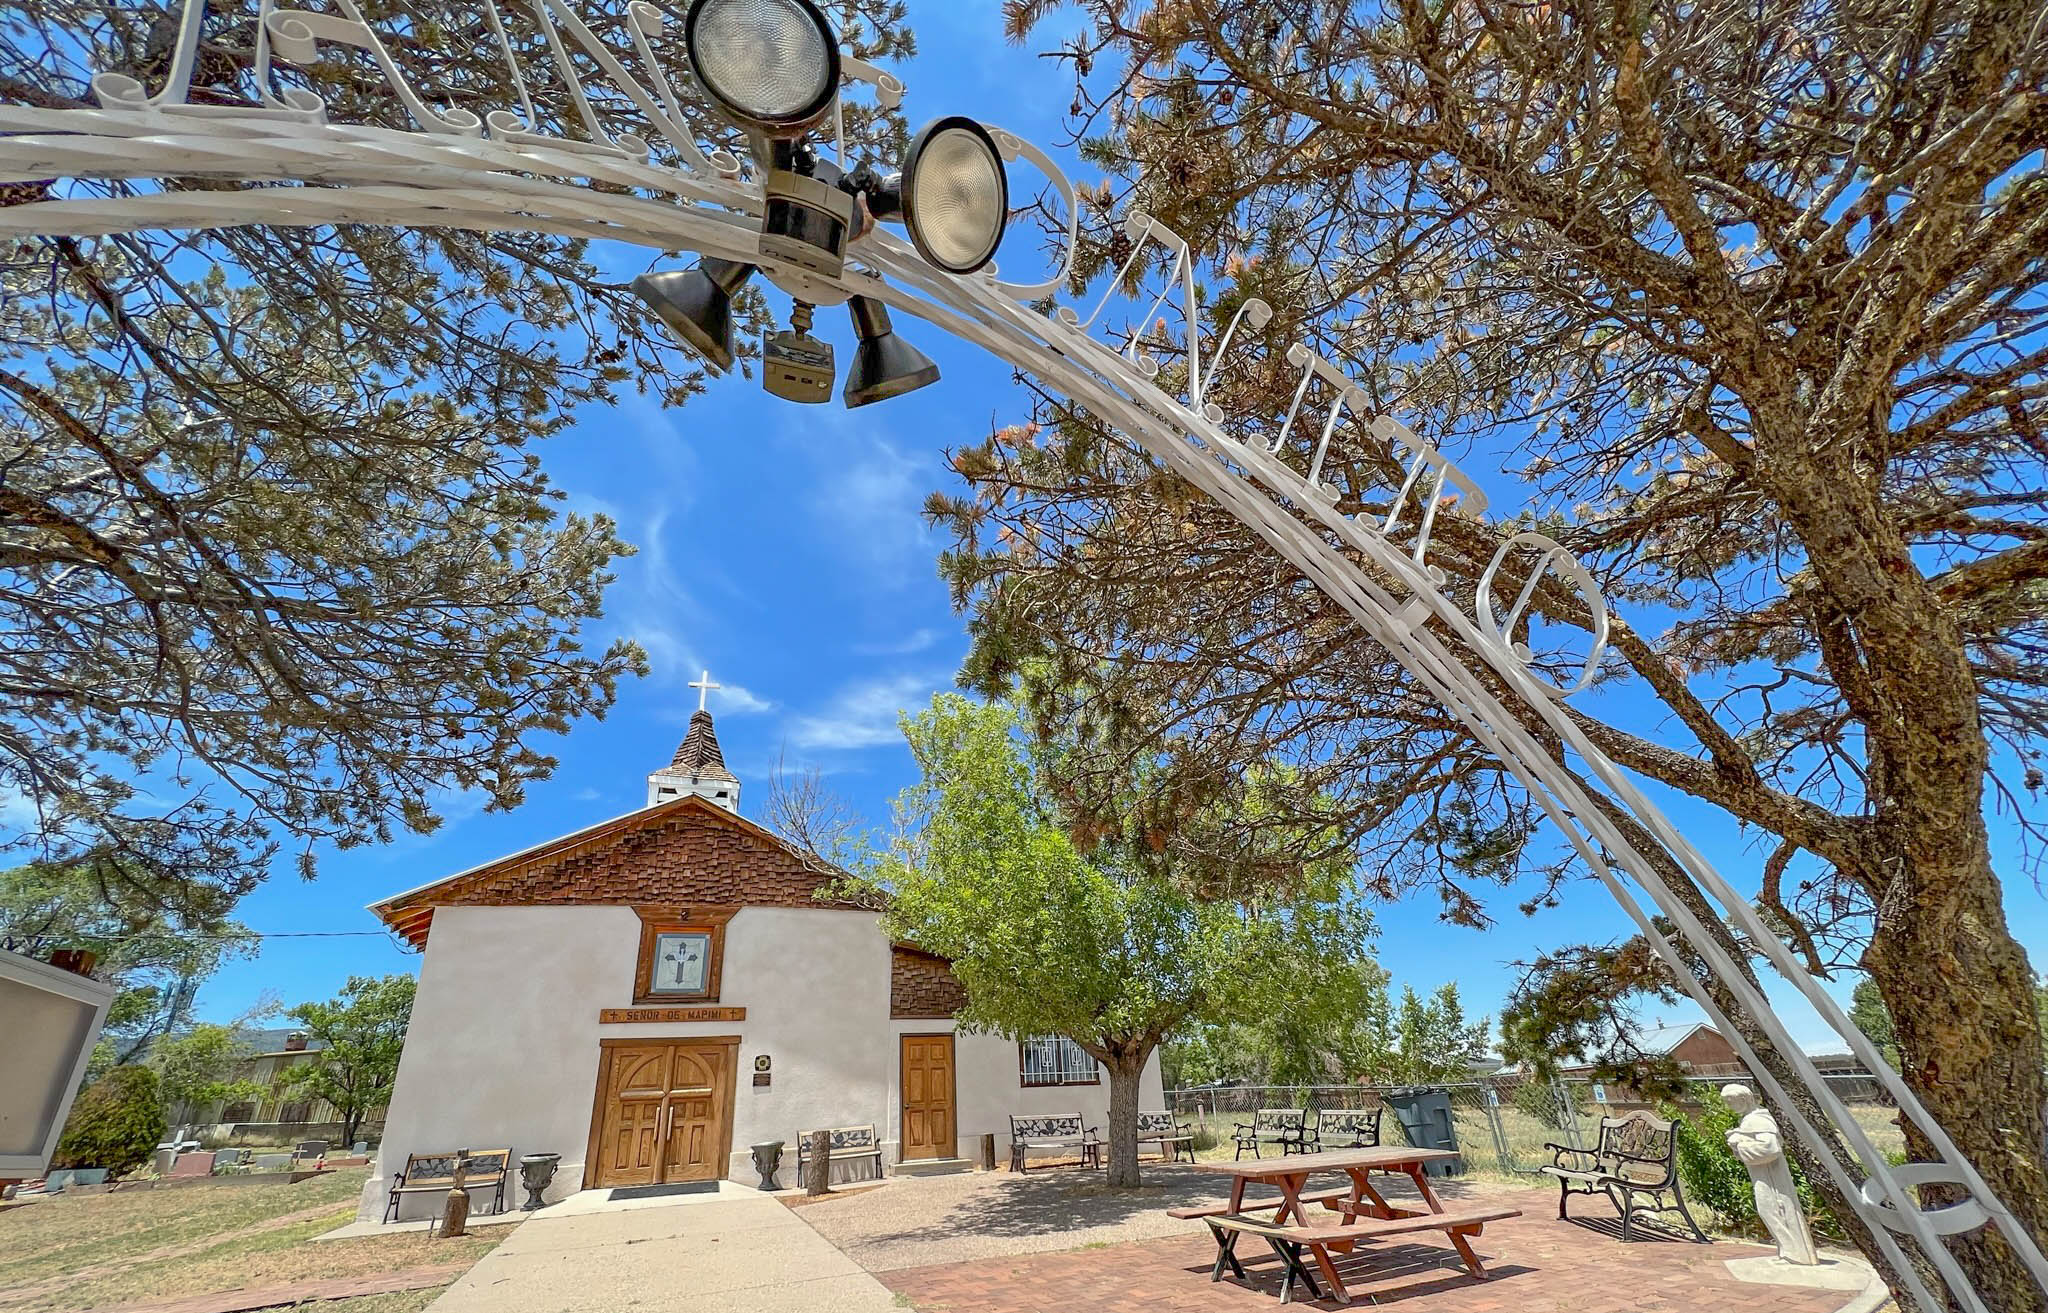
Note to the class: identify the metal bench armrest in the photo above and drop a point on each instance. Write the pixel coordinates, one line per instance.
(1590, 1160)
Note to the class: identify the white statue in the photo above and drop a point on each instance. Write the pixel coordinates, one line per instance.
(1757, 1141)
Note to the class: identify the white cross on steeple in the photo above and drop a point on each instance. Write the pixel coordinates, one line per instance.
(703, 685)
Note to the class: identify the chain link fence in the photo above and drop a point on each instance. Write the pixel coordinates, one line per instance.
(1501, 1123)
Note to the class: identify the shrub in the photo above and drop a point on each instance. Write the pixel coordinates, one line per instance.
(115, 1123)
(1715, 1178)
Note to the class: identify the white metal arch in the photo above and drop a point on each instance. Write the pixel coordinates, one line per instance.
(451, 168)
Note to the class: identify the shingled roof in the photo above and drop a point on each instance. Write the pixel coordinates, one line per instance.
(688, 850)
(698, 754)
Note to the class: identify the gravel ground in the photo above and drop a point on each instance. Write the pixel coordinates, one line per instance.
(918, 1221)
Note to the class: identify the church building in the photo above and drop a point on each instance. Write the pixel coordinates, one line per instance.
(653, 994)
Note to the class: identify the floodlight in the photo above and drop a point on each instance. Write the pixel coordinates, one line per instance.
(771, 65)
(696, 304)
(884, 365)
(953, 195)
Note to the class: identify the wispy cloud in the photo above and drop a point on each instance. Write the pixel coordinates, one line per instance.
(908, 645)
(863, 715)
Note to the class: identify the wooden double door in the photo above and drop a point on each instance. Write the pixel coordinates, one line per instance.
(664, 1111)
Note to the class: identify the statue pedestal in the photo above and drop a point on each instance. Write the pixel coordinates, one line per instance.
(1835, 1271)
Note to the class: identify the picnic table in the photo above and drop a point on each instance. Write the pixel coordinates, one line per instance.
(1363, 1212)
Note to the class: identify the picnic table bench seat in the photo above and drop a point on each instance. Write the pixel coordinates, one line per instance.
(1198, 1212)
(1634, 1163)
(852, 1144)
(1066, 1132)
(1289, 1242)
(431, 1172)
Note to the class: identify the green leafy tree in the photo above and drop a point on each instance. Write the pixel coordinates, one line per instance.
(362, 1030)
(157, 951)
(1048, 939)
(115, 1122)
(274, 542)
(1874, 1019)
(1331, 1044)
(198, 1069)
(1432, 1042)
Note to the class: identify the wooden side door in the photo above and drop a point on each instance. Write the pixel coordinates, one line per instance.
(699, 1121)
(928, 1126)
(632, 1095)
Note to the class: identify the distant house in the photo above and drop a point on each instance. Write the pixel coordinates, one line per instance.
(280, 1112)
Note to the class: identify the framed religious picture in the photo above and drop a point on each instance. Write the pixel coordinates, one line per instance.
(682, 963)
(680, 954)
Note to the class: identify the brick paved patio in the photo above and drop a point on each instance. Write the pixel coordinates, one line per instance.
(1537, 1263)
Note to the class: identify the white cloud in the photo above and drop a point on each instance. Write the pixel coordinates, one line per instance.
(909, 645)
(864, 715)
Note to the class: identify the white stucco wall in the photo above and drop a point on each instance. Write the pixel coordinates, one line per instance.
(503, 1047)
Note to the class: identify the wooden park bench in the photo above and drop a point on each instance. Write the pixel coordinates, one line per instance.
(1290, 1128)
(1348, 1128)
(1065, 1132)
(1291, 1243)
(1173, 1136)
(852, 1144)
(430, 1172)
(1634, 1165)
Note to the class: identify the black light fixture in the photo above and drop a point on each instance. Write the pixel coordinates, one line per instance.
(884, 365)
(772, 68)
(696, 304)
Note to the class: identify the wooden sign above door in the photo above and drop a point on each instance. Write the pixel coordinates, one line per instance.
(609, 1015)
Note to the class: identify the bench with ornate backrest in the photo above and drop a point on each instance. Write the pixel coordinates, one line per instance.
(1173, 1136)
(850, 1144)
(1062, 1133)
(1635, 1165)
(1293, 1129)
(1348, 1128)
(431, 1172)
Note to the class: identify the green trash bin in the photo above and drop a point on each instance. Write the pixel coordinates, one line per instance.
(1425, 1113)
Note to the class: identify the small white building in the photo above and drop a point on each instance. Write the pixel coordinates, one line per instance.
(651, 995)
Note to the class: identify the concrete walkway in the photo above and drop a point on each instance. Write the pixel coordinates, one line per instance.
(742, 1253)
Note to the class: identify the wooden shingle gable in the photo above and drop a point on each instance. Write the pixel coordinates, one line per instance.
(688, 851)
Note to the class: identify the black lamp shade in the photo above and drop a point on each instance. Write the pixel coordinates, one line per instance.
(884, 365)
(696, 304)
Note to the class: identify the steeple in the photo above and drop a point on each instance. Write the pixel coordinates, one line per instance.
(699, 766)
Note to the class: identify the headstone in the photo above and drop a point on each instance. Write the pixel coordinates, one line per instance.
(273, 1162)
(818, 1166)
(1757, 1141)
(193, 1164)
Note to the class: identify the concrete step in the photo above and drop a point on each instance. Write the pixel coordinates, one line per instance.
(931, 1167)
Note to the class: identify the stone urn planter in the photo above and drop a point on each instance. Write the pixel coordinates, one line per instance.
(536, 1172)
(767, 1159)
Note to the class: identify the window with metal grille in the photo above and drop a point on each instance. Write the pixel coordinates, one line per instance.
(1055, 1060)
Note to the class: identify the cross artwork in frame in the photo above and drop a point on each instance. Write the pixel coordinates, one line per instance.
(682, 963)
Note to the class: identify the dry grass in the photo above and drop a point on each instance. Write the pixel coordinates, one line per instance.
(92, 1251)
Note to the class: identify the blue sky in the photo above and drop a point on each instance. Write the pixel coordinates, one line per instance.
(780, 546)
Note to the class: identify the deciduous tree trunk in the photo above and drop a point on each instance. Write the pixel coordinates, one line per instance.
(1124, 1072)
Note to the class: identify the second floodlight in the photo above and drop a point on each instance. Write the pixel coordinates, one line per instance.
(953, 195)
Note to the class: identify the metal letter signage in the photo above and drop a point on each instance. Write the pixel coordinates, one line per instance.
(611, 1016)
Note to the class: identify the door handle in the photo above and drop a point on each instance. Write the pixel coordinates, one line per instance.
(668, 1120)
